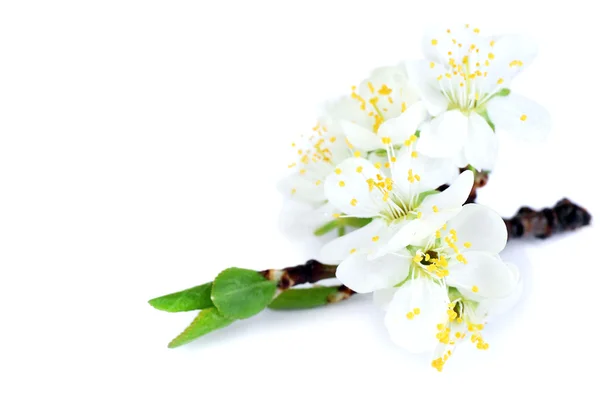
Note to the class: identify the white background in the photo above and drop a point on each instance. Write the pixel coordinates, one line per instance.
(140, 144)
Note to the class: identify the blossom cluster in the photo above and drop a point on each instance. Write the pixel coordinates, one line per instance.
(382, 155)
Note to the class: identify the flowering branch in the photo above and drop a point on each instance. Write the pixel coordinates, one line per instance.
(527, 223)
(372, 164)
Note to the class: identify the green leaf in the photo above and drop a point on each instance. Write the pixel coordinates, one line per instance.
(356, 222)
(326, 228)
(241, 293)
(303, 298)
(195, 298)
(341, 224)
(207, 321)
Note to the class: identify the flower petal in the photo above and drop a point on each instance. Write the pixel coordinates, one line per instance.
(443, 44)
(383, 297)
(481, 147)
(455, 195)
(511, 54)
(445, 135)
(348, 190)
(484, 276)
(401, 128)
(392, 88)
(360, 137)
(433, 172)
(424, 79)
(523, 118)
(495, 307)
(363, 275)
(358, 240)
(437, 209)
(403, 236)
(428, 302)
(481, 227)
(300, 188)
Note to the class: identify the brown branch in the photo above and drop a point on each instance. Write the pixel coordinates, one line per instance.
(343, 293)
(564, 216)
(481, 179)
(310, 272)
(527, 223)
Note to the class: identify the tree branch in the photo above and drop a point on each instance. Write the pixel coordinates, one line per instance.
(563, 217)
(310, 272)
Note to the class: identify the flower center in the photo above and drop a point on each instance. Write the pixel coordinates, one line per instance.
(432, 262)
(464, 85)
(397, 207)
(379, 102)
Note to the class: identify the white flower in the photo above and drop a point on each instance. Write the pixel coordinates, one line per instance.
(466, 318)
(316, 157)
(418, 284)
(398, 205)
(464, 82)
(386, 115)
(386, 110)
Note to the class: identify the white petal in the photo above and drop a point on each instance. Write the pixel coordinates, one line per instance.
(484, 276)
(481, 147)
(358, 240)
(401, 128)
(523, 118)
(460, 160)
(422, 76)
(360, 137)
(441, 44)
(481, 227)
(445, 135)
(300, 188)
(438, 208)
(404, 235)
(417, 334)
(298, 221)
(383, 297)
(435, 44)
(455, 195)
(403, 94)
(433, 172)
(512, 53)
(495, 307)
(363, 275)
(349, 191)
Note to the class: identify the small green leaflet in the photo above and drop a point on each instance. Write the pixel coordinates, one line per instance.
(303, 298)
(356, 222)
(207, 321)
(340, 224)
(326, 228)
(242, 293)
(195, 298)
